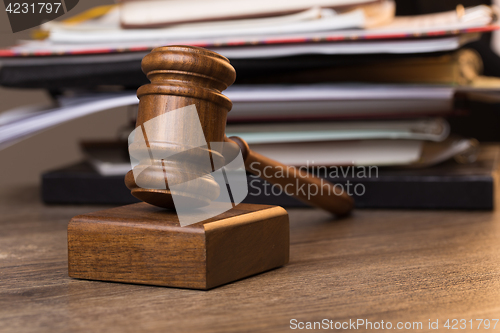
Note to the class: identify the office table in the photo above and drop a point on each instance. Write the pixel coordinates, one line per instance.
(396, 266)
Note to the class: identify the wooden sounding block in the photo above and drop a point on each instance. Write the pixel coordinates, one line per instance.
(144, 244)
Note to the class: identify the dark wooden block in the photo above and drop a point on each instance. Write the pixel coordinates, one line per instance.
(144, 244)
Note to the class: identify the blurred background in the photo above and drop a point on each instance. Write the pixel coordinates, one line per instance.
(412, 86)
(25, 161)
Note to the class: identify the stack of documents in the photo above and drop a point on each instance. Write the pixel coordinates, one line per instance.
(337, 82)
(271, 28)
(259, 104)
(104, 46)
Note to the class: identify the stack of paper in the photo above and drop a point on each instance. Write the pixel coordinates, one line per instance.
(369, 24)
(255, 103)
(298, 60)
(416, 143)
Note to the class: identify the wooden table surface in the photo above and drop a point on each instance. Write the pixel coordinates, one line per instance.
(396, 266)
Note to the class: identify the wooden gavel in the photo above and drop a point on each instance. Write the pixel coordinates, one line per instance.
(182, 76)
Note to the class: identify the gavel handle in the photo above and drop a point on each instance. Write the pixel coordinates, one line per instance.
(301, 184)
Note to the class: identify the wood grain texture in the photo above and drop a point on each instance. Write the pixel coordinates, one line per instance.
(318, 192)
(375, 264)
(144, 244)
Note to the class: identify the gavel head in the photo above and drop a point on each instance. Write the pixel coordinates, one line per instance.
(180, 113)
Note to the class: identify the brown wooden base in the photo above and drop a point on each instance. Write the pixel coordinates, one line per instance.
(144, 244)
